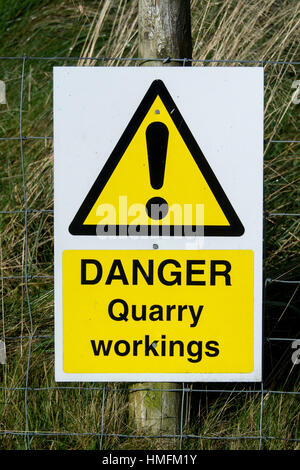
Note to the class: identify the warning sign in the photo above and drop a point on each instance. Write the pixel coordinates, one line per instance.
(158, 203)
(157, 175)
(165, 311)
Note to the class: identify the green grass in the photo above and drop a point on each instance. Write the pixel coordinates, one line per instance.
(71, 418)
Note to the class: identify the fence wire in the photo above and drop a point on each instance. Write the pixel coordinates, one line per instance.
(188, 392)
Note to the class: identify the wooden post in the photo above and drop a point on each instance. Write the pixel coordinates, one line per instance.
(164, 31)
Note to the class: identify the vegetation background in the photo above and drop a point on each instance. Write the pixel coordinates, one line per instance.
(90, 416)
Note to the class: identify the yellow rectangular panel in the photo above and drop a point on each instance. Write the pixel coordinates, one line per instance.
(163, 311)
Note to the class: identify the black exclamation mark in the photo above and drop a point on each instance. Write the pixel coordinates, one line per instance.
(157, 135)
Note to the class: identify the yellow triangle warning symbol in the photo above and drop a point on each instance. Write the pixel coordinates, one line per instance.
(156, 181)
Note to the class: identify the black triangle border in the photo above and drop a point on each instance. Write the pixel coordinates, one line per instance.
(158, 88)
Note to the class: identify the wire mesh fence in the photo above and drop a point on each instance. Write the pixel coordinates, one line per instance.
(36, 412)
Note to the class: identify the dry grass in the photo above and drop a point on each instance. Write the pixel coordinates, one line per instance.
(122, 37)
